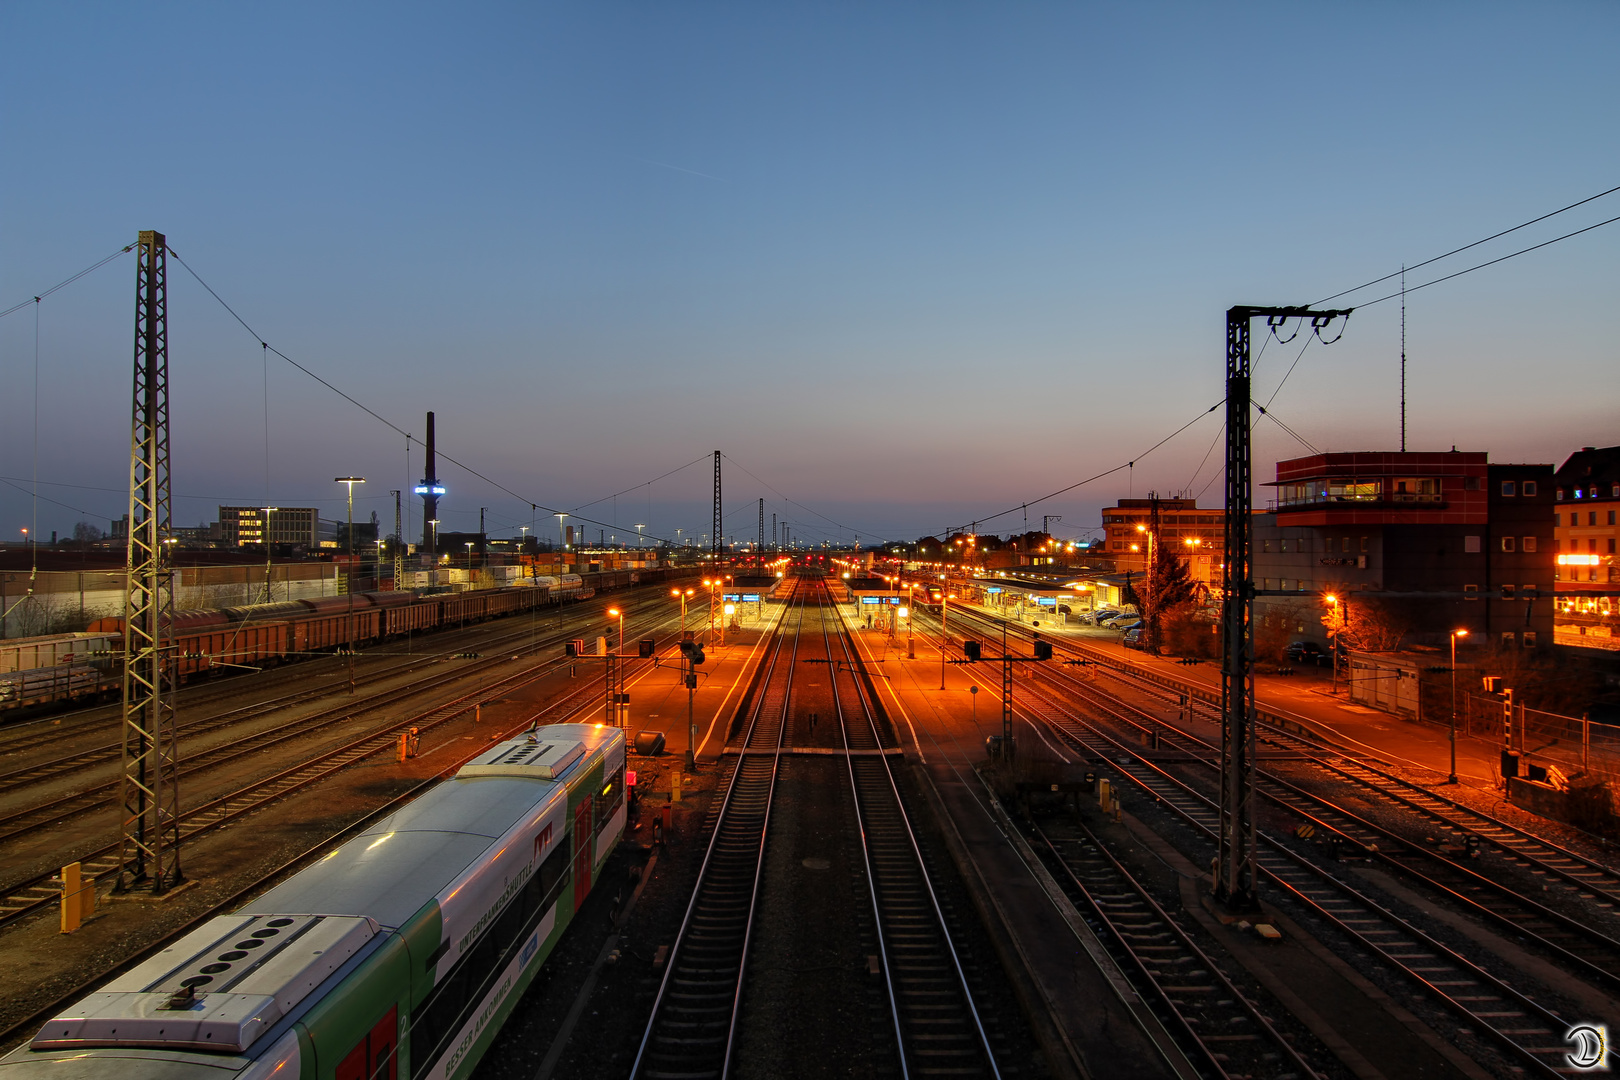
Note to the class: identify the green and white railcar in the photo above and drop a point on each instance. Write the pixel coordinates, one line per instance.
(399, 955)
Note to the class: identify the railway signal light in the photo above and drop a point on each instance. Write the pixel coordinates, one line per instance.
(1043, 650)
(971, 650)
(646, 645)
(693, 651)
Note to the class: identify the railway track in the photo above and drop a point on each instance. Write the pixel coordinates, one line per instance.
(693, 1027)
(40, 891)
(1585, 950)
(1221, 1027)
(1506, 1019)
(35, 772)
(62, 807)
(1582, 876)
(937, 1026)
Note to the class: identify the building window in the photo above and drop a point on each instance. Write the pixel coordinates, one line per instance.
(1364, 540)
(1528, 489)
(1591, 517)
(1529, 639)
(1470, 483)
(1557, 521)
(1529, 544)
(1508, 543)
(1471, 545)
(1507, 489)
(1265, 545)
(1470, 589)
(1611, 517)
(1577, 493)
(1507, 592)
(1529, 592)
(1509, 639)
(1614, 491)
(1284, 550)
(1611, 545)
(1591, 545)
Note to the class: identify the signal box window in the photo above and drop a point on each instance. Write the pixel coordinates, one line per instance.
(1529, 544)
(1528, 489)
(1508, 543)
(1507, 489)
(1529, 639)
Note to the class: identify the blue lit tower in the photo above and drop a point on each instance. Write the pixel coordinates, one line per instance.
(430, 490)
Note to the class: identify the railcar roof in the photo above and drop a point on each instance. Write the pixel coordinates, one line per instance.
(400, 863)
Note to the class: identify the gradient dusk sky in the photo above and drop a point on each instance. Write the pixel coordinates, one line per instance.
(907, 265)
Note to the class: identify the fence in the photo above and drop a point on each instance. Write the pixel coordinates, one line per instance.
(1570, 742)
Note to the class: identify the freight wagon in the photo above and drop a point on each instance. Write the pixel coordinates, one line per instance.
(255, 635)
(398, 956)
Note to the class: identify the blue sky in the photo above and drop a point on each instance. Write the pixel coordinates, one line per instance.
(906, 264)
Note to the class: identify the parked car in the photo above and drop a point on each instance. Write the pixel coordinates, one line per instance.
(1127, 625)
(1133, 639)
(1306, 652)
(1106, 617)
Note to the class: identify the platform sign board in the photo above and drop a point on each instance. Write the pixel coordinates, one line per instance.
(895, 600)
(1046, 601)
(993, 589)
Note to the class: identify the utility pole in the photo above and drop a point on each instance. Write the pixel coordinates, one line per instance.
(149, 792)
(430, 489)
(1236, 876)
(1151, 578)
(399, 545)
(759, 548)
(716, 532)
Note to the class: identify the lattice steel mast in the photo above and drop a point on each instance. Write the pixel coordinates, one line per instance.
(149, 794)
(716, 533)
(1235, 876)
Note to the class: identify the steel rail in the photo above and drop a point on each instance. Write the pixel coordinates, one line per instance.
(61, 808)
(710, 949)
(1138, 924)
(26, 897)
(876, 796)
(1524, 914)
(1577, 871)
(51, 768)
(1439, 970)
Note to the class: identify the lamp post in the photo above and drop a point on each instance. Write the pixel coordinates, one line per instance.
(562, 531)
(639, 527)
(1334, 632)
(348, 584)
(1455, 634)
(1150, 601)
(619, 709)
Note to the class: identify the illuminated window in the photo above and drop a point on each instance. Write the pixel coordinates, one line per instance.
(1508, 543)
(1529, 544)
(1471, 545)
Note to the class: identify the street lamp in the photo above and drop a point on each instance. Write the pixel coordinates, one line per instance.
(639, 527)
(348, 584)
(682, 596)
(1455, 634)
(469, 546)
(616, 685)
(562, 531)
